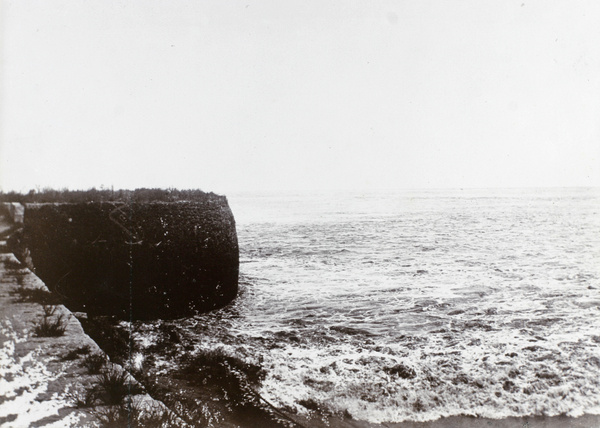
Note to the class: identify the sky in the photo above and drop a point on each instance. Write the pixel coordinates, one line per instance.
(271, 95)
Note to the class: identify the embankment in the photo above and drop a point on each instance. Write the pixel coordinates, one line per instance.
(51, 373)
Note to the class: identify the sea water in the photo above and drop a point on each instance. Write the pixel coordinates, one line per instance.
(414, 305)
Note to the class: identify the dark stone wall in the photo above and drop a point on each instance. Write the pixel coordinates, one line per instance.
(136, 260)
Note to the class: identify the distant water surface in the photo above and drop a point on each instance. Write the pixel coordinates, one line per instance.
(415, 305)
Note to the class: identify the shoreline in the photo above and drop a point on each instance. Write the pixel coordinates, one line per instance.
(585, 421)
(561, 421)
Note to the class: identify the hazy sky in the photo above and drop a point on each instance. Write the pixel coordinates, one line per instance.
(263, 95)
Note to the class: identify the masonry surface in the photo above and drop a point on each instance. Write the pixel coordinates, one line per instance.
(140, 260)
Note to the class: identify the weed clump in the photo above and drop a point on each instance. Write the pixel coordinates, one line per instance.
(111, 388)
(94, 363)
(51, 327)
(132, 415)
(113, 392)
(229, 376)
(113, 385)
(82, 399)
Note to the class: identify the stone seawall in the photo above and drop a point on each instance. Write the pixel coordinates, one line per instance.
(140, 260)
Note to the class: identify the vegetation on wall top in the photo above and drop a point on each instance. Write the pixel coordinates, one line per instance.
(48, 195)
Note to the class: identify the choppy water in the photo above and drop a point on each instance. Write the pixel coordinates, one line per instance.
(416, 305)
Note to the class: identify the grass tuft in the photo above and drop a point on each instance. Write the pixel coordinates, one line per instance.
(94, 363)
(51, 328)
(82, 399)
(113, 385)
(132, 415)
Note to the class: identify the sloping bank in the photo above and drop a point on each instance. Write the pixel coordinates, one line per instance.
(140, 260)
(135, 260)
(52, 374)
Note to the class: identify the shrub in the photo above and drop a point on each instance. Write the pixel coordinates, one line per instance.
(51, 328)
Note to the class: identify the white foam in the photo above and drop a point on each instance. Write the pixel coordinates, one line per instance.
(492, 301)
